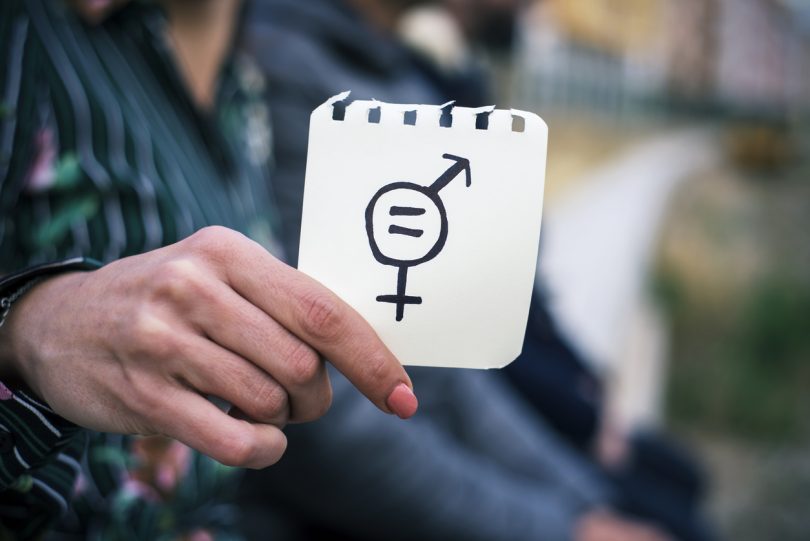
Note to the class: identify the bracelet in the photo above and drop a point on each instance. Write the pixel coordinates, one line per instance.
(14, 286)
(6, 302)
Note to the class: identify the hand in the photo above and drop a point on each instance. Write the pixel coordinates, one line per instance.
(606, 526)
(96, 11)
(135, 346)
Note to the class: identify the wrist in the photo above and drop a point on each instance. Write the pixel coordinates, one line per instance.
(31, 299)
(23, 336)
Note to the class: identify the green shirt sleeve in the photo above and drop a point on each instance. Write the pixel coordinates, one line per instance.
(39, 450)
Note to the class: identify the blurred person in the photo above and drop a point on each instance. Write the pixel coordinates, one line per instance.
(122, 136)
(490, 24)
(477, 463)
(654, 476)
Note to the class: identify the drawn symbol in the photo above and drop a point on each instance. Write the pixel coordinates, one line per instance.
(414, 212)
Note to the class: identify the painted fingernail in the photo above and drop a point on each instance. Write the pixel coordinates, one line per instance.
(402, 401)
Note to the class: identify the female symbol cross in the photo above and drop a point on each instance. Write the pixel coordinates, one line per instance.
(402, 206)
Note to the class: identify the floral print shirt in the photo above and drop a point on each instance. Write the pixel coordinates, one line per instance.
(103, 154)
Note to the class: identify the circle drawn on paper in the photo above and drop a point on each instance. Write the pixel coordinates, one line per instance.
(406, 224)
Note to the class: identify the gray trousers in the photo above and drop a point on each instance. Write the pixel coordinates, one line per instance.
(475, 463)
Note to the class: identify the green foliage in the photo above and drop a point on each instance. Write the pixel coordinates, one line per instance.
(745, 372)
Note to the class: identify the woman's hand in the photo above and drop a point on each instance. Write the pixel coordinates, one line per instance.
(602, 525)
(136, 346)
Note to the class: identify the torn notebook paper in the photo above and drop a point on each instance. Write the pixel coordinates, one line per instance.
(427, 226)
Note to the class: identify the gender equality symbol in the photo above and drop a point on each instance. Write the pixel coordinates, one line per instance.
(404, 204)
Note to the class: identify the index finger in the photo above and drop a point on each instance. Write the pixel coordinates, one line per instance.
(321, 319)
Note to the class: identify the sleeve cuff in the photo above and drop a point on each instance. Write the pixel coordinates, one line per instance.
(31, 434)
(16, 280)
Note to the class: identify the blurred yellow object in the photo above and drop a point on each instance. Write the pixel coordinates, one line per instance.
(613, 25)
(760, 146)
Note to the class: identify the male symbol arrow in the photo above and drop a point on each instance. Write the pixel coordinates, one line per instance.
(430, 192)
(462, 164)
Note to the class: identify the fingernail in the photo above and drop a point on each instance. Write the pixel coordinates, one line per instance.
(402, 401)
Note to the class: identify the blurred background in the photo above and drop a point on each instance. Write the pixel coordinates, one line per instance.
(675, 247)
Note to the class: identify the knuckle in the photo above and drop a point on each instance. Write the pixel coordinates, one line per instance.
(214, 242)
(151, 336)
(377, 369)
(271, 400)
(156, 343)
(209, 234)
(319, 404)
(178, 280)
(322, 316)
(238, 451)
(303, 363)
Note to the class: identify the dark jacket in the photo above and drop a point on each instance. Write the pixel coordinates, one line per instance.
(476, 462)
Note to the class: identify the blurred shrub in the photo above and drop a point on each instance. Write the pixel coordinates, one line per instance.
(744, 371)
(733, 274)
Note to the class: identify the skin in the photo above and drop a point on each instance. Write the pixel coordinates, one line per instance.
(605, 526)
(135, 346)
(95, 11)
(201, 32)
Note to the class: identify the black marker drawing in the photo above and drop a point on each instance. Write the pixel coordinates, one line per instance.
(431, 196)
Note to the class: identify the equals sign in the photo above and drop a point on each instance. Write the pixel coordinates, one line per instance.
(405, 211)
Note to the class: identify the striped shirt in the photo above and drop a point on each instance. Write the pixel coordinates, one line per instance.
(104, 154)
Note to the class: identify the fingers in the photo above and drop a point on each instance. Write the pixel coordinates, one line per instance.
(309, 311)
(193, 420)
(238, 326)
(602, 525)
(319, 318)
(213, 370)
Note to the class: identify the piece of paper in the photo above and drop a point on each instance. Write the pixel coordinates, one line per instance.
(429, 232)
